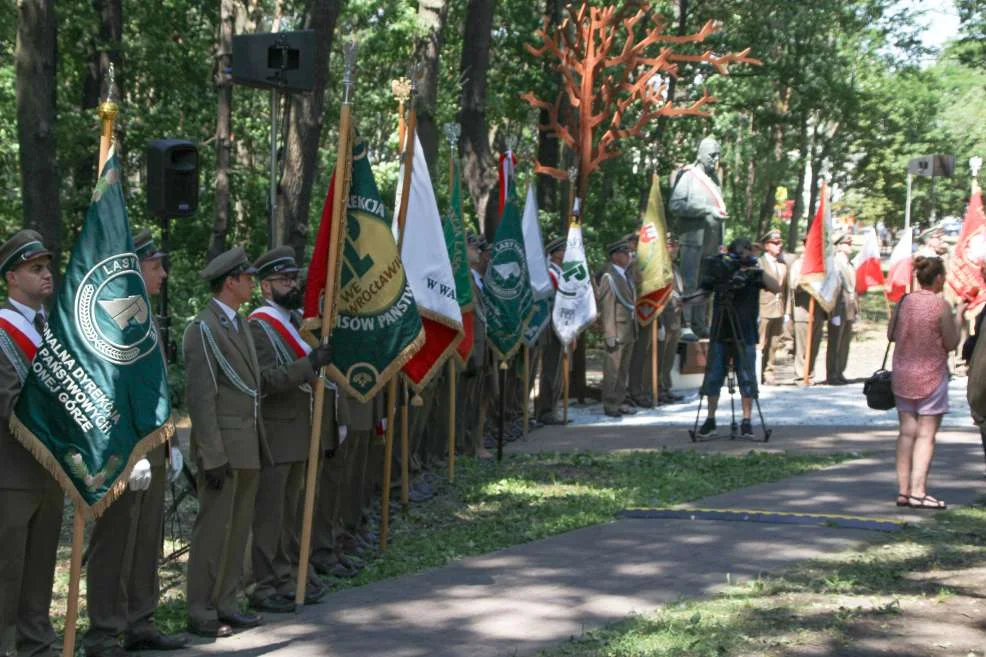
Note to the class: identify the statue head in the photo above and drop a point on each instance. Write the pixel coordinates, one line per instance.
(708, 155)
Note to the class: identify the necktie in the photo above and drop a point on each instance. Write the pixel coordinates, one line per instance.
(39, 323)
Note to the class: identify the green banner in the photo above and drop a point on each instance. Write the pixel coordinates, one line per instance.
(538, 321)
(455, 240)
(96, 399)
(507, 284)
(377, 328)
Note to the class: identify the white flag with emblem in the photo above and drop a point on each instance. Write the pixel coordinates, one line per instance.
(575, 301)
(429, 273)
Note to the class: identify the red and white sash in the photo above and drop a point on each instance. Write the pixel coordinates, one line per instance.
(292, 338)
(21, 332)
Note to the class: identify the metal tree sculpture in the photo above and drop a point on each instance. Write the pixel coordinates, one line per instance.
(603, 80)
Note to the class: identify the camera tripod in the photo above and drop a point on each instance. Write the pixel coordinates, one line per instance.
(736, 342)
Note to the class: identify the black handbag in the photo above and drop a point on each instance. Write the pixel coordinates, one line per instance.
(879, 395)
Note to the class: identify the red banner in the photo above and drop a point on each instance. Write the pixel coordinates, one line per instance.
(964, 275)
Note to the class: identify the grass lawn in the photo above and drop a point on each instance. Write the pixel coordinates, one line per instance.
(526, 498)
(909, 587)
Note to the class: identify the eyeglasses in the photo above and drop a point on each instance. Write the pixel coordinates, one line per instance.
(289, 280)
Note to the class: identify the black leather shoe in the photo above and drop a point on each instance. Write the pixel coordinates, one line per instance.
(241, 620)
(314, 595)
(275, 604)
(154, 640)
(615, 413)
(210, 629)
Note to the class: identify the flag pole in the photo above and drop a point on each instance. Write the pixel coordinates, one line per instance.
(811, 328)
(451, 419)
(107, 115)
(75, 574)
(653, 362)
(404, 91)
(503, 395)
(339, 196)
(564, 386)
(452, 135)
(388, 456)
(527, 392)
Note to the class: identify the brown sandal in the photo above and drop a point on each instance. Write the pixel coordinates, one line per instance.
(904, 497)
(926, 502)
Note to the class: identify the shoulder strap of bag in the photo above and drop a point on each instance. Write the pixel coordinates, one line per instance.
(886, 352)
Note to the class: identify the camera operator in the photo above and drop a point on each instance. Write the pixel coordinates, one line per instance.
(736, 281)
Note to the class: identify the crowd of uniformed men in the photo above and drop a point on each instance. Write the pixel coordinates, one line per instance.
(248, 394)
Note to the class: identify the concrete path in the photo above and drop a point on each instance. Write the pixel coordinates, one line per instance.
(519, 600)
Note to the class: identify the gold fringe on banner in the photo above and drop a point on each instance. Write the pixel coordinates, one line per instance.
(48, 461)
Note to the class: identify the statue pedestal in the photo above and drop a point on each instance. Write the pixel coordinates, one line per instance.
(689, 367)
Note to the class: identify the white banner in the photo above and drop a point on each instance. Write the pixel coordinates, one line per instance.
(425, 257)
(537, 265)
(575, 301)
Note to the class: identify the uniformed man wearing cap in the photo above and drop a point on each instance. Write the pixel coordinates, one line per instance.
(843, 315)
(276, 331)
(639, 382)
(772, 305)
(550, 388)
(670, 328)
(223, 391)
(617, 310)
(122, 574)
(30, 500)
(798, 308)
(478, 374)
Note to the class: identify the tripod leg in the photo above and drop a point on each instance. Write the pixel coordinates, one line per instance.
(741, 365)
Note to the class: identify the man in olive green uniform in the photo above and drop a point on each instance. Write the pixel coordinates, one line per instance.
(617, 301)
(550, 387)
(798, 307)
(670, 328)
(844, 313)
(223, 391)
(772, 306)
(30, 500)
(639, 386)
(122, 573)
(478, 374)
(275, 331)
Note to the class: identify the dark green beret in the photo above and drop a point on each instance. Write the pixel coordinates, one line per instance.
(276, 261)
(144, 246)
(228, 263)
(23, 246)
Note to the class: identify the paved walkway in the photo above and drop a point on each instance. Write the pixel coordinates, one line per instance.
(519, 600)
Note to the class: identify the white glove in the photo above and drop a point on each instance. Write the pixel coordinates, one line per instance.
(140, 476)
(177, 461)
(611, 342)
(836, 321)
(344, 431)
(661, 333)
(787, 320)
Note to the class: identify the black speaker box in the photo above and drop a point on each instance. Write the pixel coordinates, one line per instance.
(172, 178)
(275, 60)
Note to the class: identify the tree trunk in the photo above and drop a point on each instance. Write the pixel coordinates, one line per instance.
(549, 148)
(432, 15)
(224, 93)
(105, 49)
(35, 58)
(478, 163)
(304, 135)
(799, 191)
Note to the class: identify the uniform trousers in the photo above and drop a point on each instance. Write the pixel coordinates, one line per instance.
(550, 387)
(837, 354)
(616, 370)
(640, 369)
(30, 521)
(280, 496)
(122, 573)
(328, 504)
(218, 547)
(771, 331)
(668, 351)
(801, 342)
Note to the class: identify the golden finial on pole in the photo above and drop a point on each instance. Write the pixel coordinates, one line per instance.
(108, 109)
